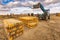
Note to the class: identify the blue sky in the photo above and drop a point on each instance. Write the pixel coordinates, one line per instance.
(6, 1)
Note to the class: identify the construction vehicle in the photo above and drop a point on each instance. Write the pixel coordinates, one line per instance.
(29, 21)
(43, 16)
(11, 29)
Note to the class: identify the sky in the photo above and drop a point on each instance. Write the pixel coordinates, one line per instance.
(50, 4)
(6, 1)
(19, 3)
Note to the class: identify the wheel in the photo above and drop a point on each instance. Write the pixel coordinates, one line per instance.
(48, 17)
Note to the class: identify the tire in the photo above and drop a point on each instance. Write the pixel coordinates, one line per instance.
(48, 17)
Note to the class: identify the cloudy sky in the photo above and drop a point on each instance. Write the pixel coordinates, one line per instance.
(51, 4)
(18, 3)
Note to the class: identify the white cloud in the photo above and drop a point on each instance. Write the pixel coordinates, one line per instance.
(21, 10)
(13, 3)
(32, 3)
(48, 1)
(25, 4)
(1, 5)
(53, 5)
(18, 3)
(29, 3)
(54, 8)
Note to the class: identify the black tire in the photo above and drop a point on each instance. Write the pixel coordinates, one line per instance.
(49, 17)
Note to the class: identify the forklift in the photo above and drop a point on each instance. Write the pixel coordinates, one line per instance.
(45, 15)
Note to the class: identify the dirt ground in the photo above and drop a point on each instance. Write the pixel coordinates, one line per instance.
(46, 30)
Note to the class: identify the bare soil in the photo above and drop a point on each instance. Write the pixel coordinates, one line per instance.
(46, 30)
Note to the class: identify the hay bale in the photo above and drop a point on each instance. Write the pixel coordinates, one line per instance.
(13, 28)
(29, 20)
